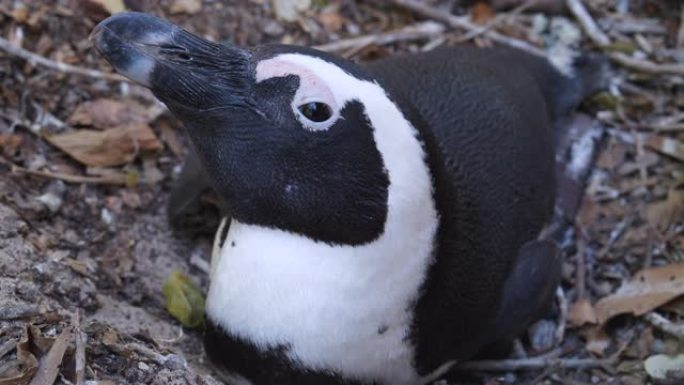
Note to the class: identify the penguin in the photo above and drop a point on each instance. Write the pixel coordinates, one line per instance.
(388, 220)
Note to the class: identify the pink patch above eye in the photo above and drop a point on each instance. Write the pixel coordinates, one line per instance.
(311, 88)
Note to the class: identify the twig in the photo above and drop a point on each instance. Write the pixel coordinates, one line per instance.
(36, 59)
(49, 365)
(70, 178)
(7, 347)
(559, 335)
(498, 20)
(431, 12)
(588, 24)
(662, 323)
(601, 39)
(411, 32)
(79, 356)
(647, 66)
(536, 363)
(581, 273)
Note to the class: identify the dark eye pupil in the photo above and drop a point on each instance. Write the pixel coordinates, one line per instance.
(315, 111)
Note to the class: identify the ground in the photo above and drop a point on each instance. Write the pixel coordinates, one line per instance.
(87, 161)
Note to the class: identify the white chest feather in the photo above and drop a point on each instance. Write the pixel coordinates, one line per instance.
(341, 308)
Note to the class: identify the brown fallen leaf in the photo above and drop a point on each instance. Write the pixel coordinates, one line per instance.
(331, 19)
(10, 143)
(186, 6)
(597, 341)
(112, 147)
(647, 290)
(104, 113)
(482, 12)
(665, 213)
(581, 312)
(25, 366)
(49, 365)
(111, 6)
(667, 146)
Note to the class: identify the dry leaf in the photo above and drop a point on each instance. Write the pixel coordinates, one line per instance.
(112, 147)
(184, 300)
(665, 213)
(103, 113)
(49, 365)
(667, 146)
(26, 364)
(649, 289)
(331, 20)
(664, 367)
(581, 312)
(9, 143)
(111, 6)
(597, 341)
(186, 6)
(289, 10)
(170, 137)
(482, 13)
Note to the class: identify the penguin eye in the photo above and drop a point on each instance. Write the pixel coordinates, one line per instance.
(315, 111)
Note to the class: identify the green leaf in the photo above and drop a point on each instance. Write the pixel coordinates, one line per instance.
(184, 300)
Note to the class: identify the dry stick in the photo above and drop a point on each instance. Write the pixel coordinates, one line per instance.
(559, 334)
(665, 325)
(36, 59)
(590, 27)
(601, 39)
(70, 178)
(536, 363)
(411, 32)
(647, 66)
(580, 281)
(79, 356)
(455, 22)
(498, 20)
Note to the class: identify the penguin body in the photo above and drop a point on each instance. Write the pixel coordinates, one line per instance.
(386, 218)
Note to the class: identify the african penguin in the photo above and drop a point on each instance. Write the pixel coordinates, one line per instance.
(388, 220)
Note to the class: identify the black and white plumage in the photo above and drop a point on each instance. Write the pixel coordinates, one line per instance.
(385, 217)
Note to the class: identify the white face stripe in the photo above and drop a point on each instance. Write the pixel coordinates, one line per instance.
(329, 302)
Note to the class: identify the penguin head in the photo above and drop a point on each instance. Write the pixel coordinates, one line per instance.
(287, 134)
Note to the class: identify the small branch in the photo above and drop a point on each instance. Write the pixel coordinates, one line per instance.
(456, 22)
(559, 335)
(79, 356)
(70, 178)
(536, 363)
(665, 325)
(588, 24)
(36, 59)
(581, 273)
(647, 66)
(601, 39)
(411, 32)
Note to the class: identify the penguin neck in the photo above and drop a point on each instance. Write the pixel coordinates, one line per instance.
(276, 288)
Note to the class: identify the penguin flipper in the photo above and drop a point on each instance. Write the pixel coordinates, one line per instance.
(529, 289)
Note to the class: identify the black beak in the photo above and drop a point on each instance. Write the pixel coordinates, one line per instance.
(183, 70)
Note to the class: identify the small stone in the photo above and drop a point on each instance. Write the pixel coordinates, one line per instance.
(107, 217)
(175, 362)
(51, 201)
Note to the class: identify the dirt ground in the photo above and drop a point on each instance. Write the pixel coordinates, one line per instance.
(87, 161)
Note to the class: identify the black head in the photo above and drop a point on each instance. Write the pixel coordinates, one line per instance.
(284, 132)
